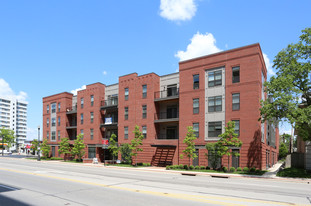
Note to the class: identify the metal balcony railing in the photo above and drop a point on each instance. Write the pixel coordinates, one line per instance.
(109, 102)
(71, 124)
(166, 136)
(165, 115)
(108, 121)
(171, 92)
(71, 109)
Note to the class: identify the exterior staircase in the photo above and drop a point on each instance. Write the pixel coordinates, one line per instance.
(163, 156)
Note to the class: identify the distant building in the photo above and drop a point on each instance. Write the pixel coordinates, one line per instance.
(206, 93)
(13, 115)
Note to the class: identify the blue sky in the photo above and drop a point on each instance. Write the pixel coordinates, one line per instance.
(48, 47)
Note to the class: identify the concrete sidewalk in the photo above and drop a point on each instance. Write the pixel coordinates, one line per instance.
(273, 170)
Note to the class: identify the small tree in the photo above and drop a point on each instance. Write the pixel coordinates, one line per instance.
(228, 139)
(64, 147)
(213, 156)
(126, 153)
(283, 151)
(7, 136)
(136, 143)
(189, 141)
(113, 146)
(34, 145)
(45, 148)
(78, 147)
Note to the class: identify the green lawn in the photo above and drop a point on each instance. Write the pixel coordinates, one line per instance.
(218, 171)
(294, 172)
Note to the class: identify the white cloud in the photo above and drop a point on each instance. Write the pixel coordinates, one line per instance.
(75, 91)
(201, 44)
(268, 65)
(178, 10)
(7, 92)
(104, 73)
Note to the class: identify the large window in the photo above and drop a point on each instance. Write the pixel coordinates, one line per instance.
(215, 104)
(58, 106)
(126, 93)
(81, 118)
(236, 101)
(126, 113)
(47, 108)
(91, 152)
(92, 100)
(196, 106)
(144, 131)
(92, 133)
(58, 121)
(214, 129)
(144, 91)
(235, 74)
(126, 132)
(47, 122)
(144, 108)
(53, 138)
(196, 129)
(53, 107)
(237, 127)
(196, 81)
(58, 135)
(92, 117)
(214, 78)
(82, 103)
(47, 135)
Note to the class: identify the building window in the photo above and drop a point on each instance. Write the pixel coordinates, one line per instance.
(58, 121)
(237, 127)
(53, 107)
(236, 101)
(47, 108)
(58, 106)
(214, 78)
(144, 111)
(82, 103)
(47, 122)
(58, 135)
(196, 129)
(53, 138)
(81, 118)
(92, 100)
(215, 104)
(53, 122)
(235, 74)
(92, 117)
(92, 133)
(144, 131)
(214, 129)
(126, 113)
(47, 135)
(196, 81)
(82, 132)
(91, 152)
(196, 106)
(126, 93)
(145, 91)
(126, 132)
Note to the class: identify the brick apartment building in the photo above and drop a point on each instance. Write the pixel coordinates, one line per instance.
(206, 93)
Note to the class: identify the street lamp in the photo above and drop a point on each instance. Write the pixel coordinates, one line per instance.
(39, 143)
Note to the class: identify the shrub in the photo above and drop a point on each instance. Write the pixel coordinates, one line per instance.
(146, 164)
(245, 169)
(181, 166)
(167, 167)
(139, 164)
(239, 169)
(197, 167)
(176, 167)
(191, 167)
(186, 167)
(207, 167)
(202, 168)
(232, 169)
(171, 167)
(56, 158)
(225, 169)
(253, 169)
(257, 171)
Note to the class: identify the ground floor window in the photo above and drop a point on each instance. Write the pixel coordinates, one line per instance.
(214, 161)
(91, 152)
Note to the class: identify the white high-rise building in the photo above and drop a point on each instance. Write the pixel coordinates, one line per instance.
(13, 115)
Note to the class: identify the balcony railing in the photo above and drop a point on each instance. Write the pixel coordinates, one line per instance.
(109, 121)
(169, 93)
(72, 109)
(165, 115)
(109, 102)
(71, 124)
(166, 136)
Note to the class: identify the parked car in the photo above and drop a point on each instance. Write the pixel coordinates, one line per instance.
(5, 152)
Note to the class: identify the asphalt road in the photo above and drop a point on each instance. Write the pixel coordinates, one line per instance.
(28, 182)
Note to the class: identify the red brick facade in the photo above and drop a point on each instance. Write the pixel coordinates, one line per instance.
(165, 148)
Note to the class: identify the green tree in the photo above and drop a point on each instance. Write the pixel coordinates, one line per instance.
(189, 141)
(213, 156)
(290, 90)
(113, 146)
(45, 148)
(283, 151)
(228, 140)
(136, 142)
(78, 147)
(64, 147)
(286, 139)
(7, 136)
(34, 145)
(126, 153)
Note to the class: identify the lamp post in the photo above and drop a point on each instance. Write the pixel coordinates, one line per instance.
(38, 143)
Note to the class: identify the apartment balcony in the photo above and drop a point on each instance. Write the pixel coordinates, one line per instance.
(167, 136)
(166, 117)
(109, 122)
(169, 94)
(71, 125)
(110, 103)
(71, 110)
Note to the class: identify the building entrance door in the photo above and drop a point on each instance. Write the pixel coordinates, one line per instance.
(195, 161)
